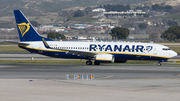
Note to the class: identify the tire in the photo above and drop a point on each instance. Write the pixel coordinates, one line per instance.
(159, 64)
(96, 63)
(88, 62)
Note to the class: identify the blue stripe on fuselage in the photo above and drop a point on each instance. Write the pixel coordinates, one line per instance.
(60, 54)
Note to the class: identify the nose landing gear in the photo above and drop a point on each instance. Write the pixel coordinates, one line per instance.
(159, 64)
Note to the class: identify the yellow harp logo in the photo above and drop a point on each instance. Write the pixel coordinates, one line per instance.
(23, 27)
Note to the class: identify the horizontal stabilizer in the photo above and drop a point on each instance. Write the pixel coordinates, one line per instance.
(19, 43)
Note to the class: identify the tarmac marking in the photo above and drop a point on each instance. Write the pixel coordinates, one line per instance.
(6, 66)
(178, 75)
(108, 76)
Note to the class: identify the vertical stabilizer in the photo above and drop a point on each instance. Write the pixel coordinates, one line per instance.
(25, 29)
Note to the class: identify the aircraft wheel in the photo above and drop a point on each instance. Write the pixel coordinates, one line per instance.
(96, 63)
(159, 64)
(88, 62)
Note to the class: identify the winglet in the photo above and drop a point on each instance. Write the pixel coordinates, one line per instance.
(45, 43)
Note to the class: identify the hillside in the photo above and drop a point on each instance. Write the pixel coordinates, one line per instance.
(32, 7)
(38, 10)
(37, 7)
(163, 2)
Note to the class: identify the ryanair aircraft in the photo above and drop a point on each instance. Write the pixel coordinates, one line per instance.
(99, 52)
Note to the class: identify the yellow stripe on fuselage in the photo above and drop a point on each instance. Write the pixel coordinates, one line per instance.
(104, 59)
(43, 49)
(45, 42)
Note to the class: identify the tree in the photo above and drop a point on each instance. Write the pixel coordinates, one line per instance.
(146, 15)
(78, 14)
(53, 35)
(157, 7)
(142, 25)
(172, 23)
(34, 23)
(45, 33)
(118, 7)
(88, 10)
(168, 8)
(172, 33)
(119, 33)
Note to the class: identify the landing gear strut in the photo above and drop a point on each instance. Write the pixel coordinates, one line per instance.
(88, 62)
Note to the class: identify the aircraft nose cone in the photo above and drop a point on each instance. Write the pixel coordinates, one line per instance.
(174, 54)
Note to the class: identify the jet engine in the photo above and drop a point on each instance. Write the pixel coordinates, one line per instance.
(104, 58)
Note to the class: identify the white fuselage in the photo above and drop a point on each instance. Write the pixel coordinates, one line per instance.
(123, 48)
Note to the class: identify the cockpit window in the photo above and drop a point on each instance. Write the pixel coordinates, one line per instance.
(166, 49)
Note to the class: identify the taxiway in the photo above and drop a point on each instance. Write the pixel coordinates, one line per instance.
(26, 82)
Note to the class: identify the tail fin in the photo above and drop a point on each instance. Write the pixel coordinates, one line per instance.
(25, 29)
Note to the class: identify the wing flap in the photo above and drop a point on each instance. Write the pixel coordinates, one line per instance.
(80, 53)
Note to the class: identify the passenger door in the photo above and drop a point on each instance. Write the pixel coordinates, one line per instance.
(155, 51)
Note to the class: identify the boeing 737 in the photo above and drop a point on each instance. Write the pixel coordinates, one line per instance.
(99, 52)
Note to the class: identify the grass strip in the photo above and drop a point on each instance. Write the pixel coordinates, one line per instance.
(12, 48)
(175, 48)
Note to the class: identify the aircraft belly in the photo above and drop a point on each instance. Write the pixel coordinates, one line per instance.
(61, 55)
(136, 57)
(52, 53)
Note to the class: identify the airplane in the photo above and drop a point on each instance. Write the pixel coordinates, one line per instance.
(99, 52)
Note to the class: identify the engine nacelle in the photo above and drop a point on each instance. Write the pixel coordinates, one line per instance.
(104, 58)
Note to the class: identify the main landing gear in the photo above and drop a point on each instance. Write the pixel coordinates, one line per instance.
(90, 63)
(96, 63)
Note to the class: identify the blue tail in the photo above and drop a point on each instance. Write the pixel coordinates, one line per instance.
(25, 29)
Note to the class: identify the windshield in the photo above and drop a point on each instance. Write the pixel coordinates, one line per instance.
(166, 49)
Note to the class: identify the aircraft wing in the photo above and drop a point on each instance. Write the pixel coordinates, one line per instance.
(73, 52)
(80, 53)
